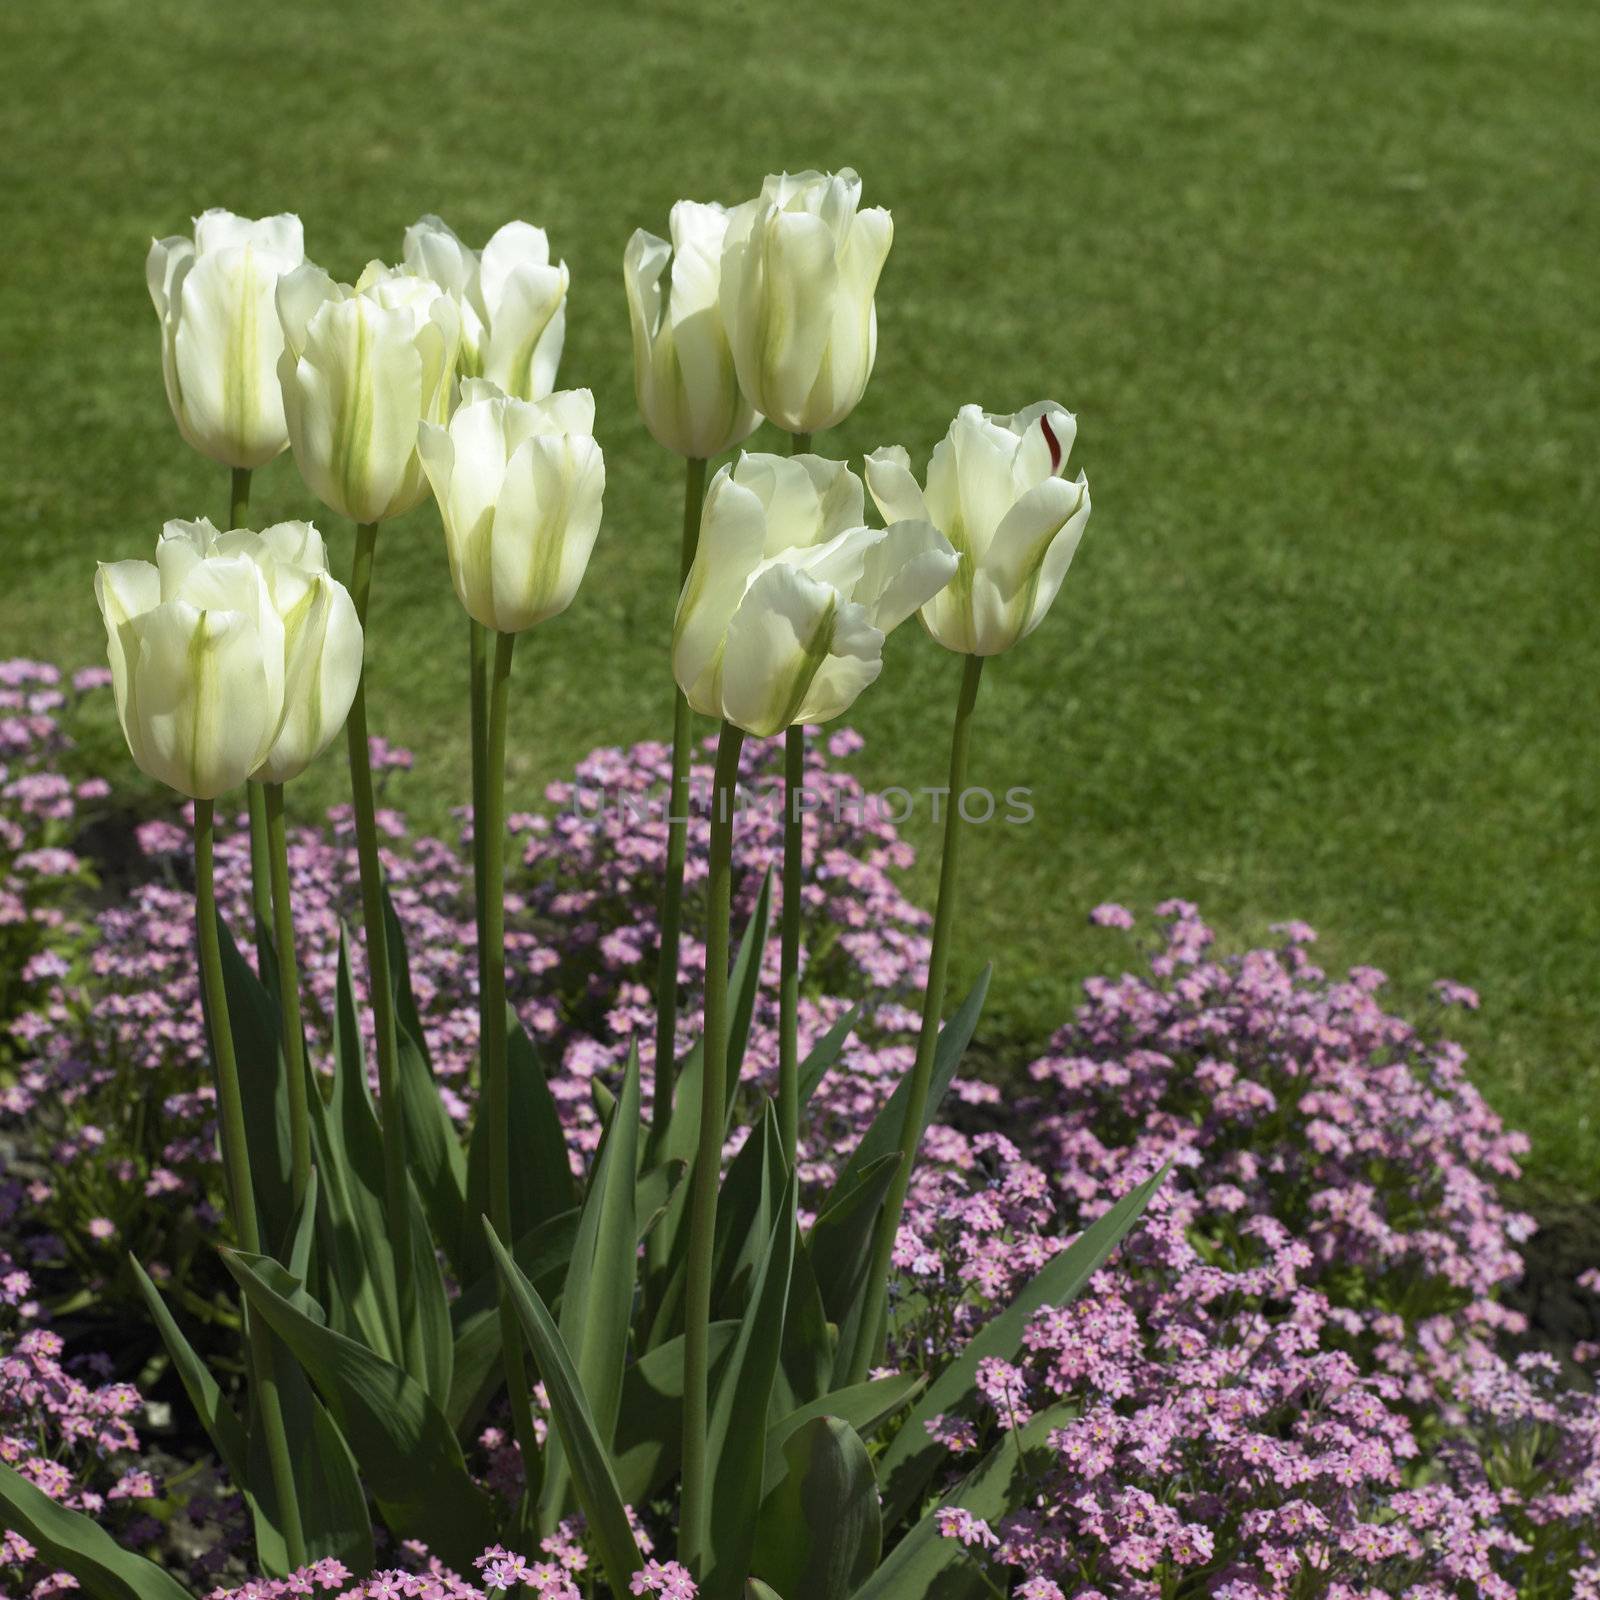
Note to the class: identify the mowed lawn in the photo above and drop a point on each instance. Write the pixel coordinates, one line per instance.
(1319, 280)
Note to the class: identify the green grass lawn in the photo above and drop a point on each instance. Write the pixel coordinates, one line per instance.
(1319, 280)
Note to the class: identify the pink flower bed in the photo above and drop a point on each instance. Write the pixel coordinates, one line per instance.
(1297, 1378)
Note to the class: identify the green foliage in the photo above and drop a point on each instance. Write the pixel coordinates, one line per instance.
(80, 1545)
(821, 1532)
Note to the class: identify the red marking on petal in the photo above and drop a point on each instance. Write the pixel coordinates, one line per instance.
(1054, 443)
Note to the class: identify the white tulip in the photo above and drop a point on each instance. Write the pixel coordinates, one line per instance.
(234, 655)
(785, 611)
(519, 485)
(362, 366)
(512, 301)
(800, 266)
(220, 337)
(996, 490)
(683, 372)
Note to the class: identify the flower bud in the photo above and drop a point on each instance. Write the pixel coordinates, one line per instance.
(234, 655)
(800, 267)
(512, 302)
(997, 491)
(784, 614)
(362, 366)
(220, 336)
(683, 371)
(519, 485)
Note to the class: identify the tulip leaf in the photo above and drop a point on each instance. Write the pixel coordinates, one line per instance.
(75, 1543)
(755, 1589)
(649, 1439)
(736, 1436)
(542, 1186)
(840, 1241)
(253, 1020)
(429, 1308)
(587, 1457)
(914, 1456)
(927, 1564)
(884, 1135)
(820, 1531)
(358, 1258)
(822, 1055)
(865, 1406)
(744, 983)
(334, 1517)
(810, 1341)
(437, 1162)
(219, 1419)
(407, 1452)
(542, 1256)
(597, 1299)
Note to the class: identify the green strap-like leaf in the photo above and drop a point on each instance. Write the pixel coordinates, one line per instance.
(407, 1452)
(218, 1418)
(863, 1405)
(736, 1437)
(597, 1299)
(840, 1241)
(825, 1052)
(542, 1185)
(820, 1532)
(927, 1564)
(913, 1457)
(883, 1136)
(71, 1541)
(358, 1259)
(649, 1438)
(253, 1016)
(744, 982)
(589, 1462)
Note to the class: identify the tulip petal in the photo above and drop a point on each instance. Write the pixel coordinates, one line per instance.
(1029, 529)
(854, 661)
(732, 531)
(527, 329)
(201, 703)
(779, 637)
(904, 571)
(545, 526)
(300, 295)
(353, 402)
(322, 666)
(894, 490)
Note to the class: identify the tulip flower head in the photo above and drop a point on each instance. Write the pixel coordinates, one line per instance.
(220, 337)
(362, 366)
(512, 301)
(234, 655)
(800, 267)
(683, 371)
(519, 485)
(996, 489)
(786, 608)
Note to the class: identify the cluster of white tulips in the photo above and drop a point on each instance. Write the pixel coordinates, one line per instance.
(238, 657)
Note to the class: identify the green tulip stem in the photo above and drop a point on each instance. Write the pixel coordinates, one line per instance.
(794, 777)
(291, 1027)
(236, 1166)
(694, 493)
(696, 1514)
(794, 773)
(870, 1332)
(396, 1187)
(260, 864)
(490, 828)
(478, 692)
